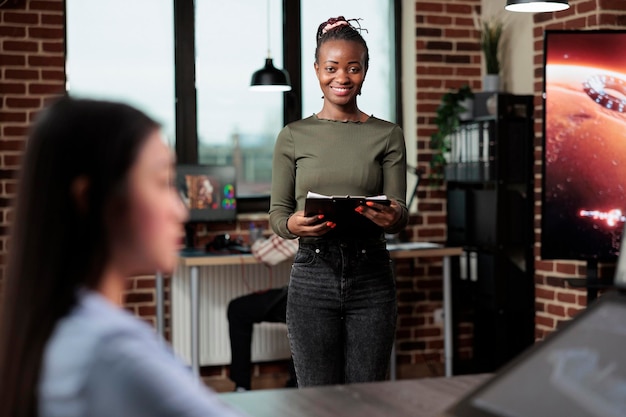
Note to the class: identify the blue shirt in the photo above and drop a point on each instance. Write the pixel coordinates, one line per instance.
(103, 361)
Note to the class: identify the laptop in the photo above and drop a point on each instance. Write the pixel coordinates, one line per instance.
(577, 371)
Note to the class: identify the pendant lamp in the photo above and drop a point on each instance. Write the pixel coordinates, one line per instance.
(536, 6)
(270, 78)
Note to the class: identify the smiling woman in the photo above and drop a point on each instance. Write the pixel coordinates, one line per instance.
(341, 307)
(378, 22)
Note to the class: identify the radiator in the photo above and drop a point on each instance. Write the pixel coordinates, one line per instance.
(217, 286)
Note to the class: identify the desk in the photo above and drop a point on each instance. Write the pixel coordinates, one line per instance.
(427, 397)
(410, 250)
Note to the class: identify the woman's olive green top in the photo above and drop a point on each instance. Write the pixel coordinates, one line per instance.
(338, 158)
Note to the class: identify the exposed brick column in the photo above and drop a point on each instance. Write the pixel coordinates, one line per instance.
(448, 56)
(32, 71)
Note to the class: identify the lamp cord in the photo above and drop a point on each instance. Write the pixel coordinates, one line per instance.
(269, 54)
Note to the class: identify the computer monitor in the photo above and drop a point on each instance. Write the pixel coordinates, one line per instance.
(584, 160)
(208, 191)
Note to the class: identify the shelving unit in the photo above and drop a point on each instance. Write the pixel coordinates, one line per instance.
(490, 214)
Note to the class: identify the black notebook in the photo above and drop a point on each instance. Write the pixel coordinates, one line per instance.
(334, 207)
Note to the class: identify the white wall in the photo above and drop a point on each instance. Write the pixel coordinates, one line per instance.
(409, 92)
(516, 48)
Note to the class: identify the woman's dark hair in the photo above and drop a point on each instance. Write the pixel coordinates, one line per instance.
(340, 28)
(59, 244)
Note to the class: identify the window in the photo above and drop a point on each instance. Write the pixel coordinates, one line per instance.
(116, 50)
(124, 51)
(235, 125)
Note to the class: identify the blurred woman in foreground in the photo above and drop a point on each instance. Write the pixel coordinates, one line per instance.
(95, 206)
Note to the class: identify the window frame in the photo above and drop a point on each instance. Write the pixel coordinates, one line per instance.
(186, 127)
(185, 72)
(186, 141)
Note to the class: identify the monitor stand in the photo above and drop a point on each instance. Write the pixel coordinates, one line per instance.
(190, 249)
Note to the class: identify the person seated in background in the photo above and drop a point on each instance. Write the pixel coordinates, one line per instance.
(243, 312)
(95, 206)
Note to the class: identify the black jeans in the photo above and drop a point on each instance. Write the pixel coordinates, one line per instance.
(243, 312)
(341, 311)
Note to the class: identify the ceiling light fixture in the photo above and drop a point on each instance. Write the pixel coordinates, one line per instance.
(536, 6)
(270, 78)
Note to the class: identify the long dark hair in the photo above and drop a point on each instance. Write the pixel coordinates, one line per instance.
(58, 245)
(341, 30)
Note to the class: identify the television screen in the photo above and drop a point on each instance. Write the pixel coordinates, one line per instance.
(584, 160)
(208, 192)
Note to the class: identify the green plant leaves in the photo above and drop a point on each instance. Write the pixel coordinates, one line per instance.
(489, 40)
(447, 121)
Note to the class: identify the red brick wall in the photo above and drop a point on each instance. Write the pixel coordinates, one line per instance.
(32, 70)
(556, 302)
(448, 56)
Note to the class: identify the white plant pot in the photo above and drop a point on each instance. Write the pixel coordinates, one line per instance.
(491, 83)
(492, 104)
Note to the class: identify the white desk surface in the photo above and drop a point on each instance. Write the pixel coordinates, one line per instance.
(396, 250)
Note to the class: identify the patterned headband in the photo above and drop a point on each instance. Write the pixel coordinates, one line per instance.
(336, 22)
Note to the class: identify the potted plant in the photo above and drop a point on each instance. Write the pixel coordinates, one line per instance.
(452, 109)
(490, 34)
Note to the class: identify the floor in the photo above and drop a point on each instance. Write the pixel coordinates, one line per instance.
(264, 376)
(274, 375)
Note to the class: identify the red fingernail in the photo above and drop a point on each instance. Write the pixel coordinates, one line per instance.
(369, 203)
(359, 209)
(321, 216)
(333, 226)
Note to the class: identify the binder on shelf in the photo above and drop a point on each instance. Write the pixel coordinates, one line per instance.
(471, 153)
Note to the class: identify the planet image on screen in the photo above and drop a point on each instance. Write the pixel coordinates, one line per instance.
(585, 145)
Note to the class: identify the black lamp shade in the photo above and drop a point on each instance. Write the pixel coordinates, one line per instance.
(536, 6)
(270, 78)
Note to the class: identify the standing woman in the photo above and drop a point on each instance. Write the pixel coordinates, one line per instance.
(95, 206)
(341, 308)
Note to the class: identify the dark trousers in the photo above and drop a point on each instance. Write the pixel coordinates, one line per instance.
(243, 312)
(341, 312)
